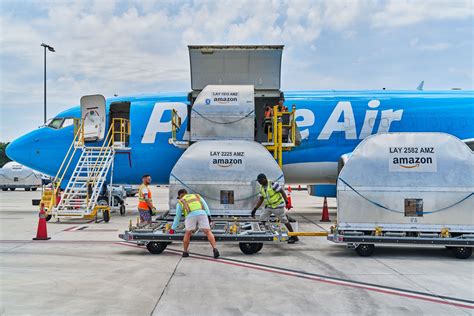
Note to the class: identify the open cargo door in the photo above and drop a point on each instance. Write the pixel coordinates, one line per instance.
(259, 66)
(93, 117)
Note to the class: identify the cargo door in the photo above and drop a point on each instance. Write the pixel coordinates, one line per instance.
(93, 117)
(259, 66)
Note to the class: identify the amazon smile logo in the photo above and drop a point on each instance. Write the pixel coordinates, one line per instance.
(412, 162)
(224, 100)
(226, 162)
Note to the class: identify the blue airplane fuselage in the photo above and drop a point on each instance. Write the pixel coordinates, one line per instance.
(331, 123)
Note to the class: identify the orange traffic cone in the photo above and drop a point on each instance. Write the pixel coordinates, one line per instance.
(288, 195)
(42, 233)
(325, 215)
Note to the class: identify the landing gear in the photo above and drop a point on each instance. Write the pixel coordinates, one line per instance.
(155, 247)
(462, 252)
(250, 248)
(365, 250)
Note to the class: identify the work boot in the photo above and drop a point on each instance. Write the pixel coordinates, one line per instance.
(216, 253)
(185, 254)
(293, 239)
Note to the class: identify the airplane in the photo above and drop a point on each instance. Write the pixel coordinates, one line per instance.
(331, 123)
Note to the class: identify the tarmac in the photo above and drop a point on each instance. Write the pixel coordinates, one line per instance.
(85, 269)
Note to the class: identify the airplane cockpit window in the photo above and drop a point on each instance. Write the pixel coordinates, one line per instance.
(68, 122)
(55, 123)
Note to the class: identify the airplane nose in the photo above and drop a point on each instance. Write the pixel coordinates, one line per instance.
(21, 149)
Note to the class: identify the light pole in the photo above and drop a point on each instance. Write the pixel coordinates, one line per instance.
(51, 49)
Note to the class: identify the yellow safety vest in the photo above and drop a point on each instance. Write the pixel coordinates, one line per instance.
(190, 203)
(272, 198)
(141, 201)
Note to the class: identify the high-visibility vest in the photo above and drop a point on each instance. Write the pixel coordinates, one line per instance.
(141, 201)
(272, 198)
(269, 113)
(190, 203)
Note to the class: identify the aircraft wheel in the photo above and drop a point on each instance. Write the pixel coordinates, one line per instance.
(12, 189)
(260, 246)
(27, 189)
(365, 250)
(122, 210)
(462, 252)
(250, 248)
(4, 189)
(155, 247)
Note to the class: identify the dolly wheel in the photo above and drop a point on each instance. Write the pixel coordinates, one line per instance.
(250, 248)
(365, 250)
(48, 217)
(122, 210)
(462, 252)
(155, 247)
(106, 215)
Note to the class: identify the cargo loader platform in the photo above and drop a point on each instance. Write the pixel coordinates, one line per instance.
(248, 232)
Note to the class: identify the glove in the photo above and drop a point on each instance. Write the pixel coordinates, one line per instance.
(253, 213)
(153, 211)
(171, 231)
(288, 205)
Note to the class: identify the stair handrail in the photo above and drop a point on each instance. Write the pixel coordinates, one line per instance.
(55, 184)
(95, 172)
(107, 144)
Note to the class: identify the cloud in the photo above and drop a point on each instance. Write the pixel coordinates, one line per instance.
(408, 12)
(429, 46)
(131, 46)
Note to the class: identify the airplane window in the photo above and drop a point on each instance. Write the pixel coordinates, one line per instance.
(67, 122)
(56, 123)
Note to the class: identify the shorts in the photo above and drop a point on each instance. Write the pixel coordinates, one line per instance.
(201, 221)
(145, 215)
(278, 212)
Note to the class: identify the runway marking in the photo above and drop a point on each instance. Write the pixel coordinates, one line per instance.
(86, 229)
(52, 241)
(69, 229)
(440, 299)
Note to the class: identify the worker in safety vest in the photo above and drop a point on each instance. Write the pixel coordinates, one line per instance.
(267, 122)
(145, 202)
(281, 106)
(196, 214)
(275, 200)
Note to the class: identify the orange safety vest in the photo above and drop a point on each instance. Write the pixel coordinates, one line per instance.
(268, 113)
(141, 200)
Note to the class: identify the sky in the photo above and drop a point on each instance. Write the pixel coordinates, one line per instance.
(134, 47)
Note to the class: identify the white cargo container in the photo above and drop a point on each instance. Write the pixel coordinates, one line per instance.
(14, 176)
(414, 188)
